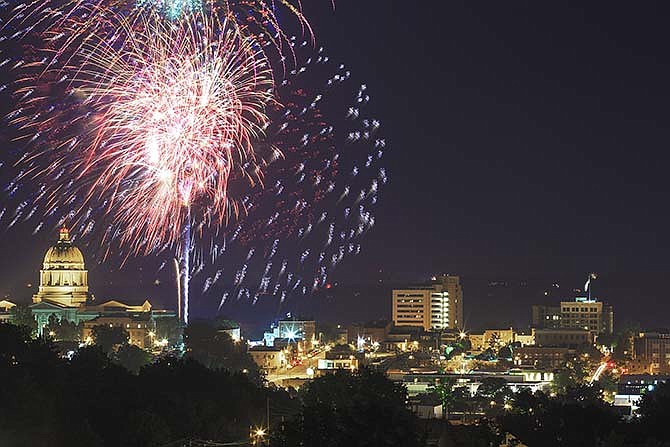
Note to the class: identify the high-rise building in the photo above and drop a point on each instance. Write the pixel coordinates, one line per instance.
(411, 306)
(546, 317)
(582, 313)
(589, 314)
(452, 314)
(434, 306)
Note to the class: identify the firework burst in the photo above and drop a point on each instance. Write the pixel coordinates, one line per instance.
(117, 141)
(69, 24)
(173, 114)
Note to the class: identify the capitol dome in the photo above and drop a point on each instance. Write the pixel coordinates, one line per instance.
(64, 254)
(63, 278)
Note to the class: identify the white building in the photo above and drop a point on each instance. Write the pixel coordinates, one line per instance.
(434, 307)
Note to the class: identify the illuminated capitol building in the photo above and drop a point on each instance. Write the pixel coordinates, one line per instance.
(64, 293)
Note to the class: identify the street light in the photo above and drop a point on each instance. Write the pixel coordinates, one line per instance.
(257, 436)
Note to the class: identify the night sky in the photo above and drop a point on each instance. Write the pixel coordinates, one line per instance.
(528, 146)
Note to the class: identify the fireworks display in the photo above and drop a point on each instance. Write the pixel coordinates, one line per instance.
(153, 126)
(319, 199)
(175, 118)
(173, 9)
(66, 25)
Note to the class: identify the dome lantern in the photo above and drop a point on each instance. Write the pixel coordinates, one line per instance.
(64, 234)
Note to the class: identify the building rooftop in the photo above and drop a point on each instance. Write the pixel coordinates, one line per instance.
(262, 348)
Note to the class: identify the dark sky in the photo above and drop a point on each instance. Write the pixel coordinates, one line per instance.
(528, 142)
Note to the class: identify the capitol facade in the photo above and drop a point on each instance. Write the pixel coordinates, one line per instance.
(64, 293)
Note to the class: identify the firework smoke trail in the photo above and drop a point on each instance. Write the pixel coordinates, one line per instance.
(176, 116)
(185, 267)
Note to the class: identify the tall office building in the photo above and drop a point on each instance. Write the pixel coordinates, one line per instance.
(585, 313)
(582, 313)
(434, 306)
(546, 317)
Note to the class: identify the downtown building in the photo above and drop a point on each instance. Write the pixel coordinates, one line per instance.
(651, 350)
(582, 313)
(435, 306)
(300, 333)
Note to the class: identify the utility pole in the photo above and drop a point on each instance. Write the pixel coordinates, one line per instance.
(267, 416)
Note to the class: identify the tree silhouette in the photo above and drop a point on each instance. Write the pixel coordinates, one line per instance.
(654, 410)
(216, 349)
(108, 337)
(132, 357)
(62, 329)
(361, 409)
(445, 391)
(21, 315)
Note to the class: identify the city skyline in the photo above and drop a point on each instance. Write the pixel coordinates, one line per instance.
(334, 223)
(341, 302)
(514, 158)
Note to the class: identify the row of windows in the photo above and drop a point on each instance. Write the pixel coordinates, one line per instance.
(566, 337)
(580, 309)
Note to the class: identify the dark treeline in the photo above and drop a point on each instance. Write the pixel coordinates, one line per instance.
(580, 417)
(91, 400)
(214, 393)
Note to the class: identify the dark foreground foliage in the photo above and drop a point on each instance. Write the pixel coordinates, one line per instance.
(93, 401)
(350, 409)
(580, 418)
